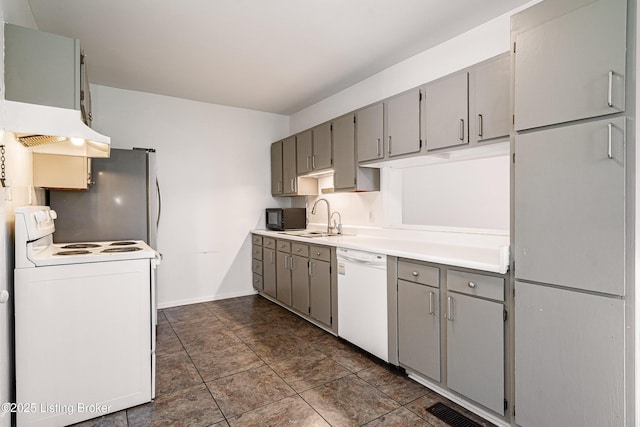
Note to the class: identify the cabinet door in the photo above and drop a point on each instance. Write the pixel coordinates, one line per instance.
(344, 175)
(491, 95)
(569, 358)
(41, 68)
(419, 328)
(300, 283)
(571, 67)
(403, 123)
(304, 152)
(570, 206)
(475, 350)
(283, 277)
(276, 168)
(290, 184)
(269, 272)
(320, 288)
(447, 113)
(322, 158)
(370, 132)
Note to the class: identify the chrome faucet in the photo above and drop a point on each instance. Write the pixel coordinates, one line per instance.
(313, 212)
(338, 226)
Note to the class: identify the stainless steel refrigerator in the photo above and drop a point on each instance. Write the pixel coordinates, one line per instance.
(122, 203)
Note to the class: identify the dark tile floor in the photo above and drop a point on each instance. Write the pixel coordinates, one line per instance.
(248, 362)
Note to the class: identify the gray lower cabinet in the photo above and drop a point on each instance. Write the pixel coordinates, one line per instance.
(300, 283)
(419, 328)
(447, 112)
(570, 206)
(320, 284)
(402, 123)
(475, 349)
(475, 337)
(276, 169)
(269, 272)
(490, 95)
(370, 133)
(283, 277)
(569, 358)
(41, 68)
(570, 61)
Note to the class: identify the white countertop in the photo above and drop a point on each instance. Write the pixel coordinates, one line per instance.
(486, 257)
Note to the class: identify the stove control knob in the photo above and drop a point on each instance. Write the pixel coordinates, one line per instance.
(41, 216)
(54, 214)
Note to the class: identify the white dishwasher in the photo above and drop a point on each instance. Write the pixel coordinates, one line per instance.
(362, 300)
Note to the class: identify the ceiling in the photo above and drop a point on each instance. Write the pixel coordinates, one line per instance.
(278, 56)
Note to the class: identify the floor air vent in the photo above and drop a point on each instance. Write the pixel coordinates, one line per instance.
(450, 416)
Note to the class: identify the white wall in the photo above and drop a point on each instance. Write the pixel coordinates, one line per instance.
(214, 172)
(476, 45)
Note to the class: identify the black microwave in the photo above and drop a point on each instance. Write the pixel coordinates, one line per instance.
(281, 219)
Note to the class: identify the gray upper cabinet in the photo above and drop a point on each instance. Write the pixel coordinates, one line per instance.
(402, 123)
(304, 152)
(276, 168)
(289, 175)
(322, 153)
(569, 66)
(447, 112)
(314, 149)
(344, 165)
(569, 206)
(370, 133)
(490, 93)
(347, 175)
(41, 68)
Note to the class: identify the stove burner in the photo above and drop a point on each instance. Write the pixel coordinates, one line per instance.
(125, 249)
(123, 243)
(81, 246)
(72, 253)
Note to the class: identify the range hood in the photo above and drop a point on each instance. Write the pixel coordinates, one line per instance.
(52, 130)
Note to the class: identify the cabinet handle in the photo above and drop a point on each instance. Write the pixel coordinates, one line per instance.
(480, 130)
(431, 310)
(313, 162)
(308, 167)
(293, 188)
(461, 129)
(471, 285)
(279, 187)
(415, 274)
(317, 253)
(389, 148)
(286, 263)
(271, 257)
(610, 90)
(449, 308)
(610, 132)
(292, 266)
(310, 268)
(378, 147)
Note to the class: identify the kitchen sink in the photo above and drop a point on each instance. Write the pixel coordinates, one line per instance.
(306, 233)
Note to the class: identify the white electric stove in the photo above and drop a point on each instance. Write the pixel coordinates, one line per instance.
(85, 318)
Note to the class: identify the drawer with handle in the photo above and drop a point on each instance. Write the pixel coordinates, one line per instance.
(256, 240)
(322, 253)
(300, 249)
(268, 242)
(283, 246)
(257, 281)
(476, 284)
(419, 273)
(256, 252)
(256, 266)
